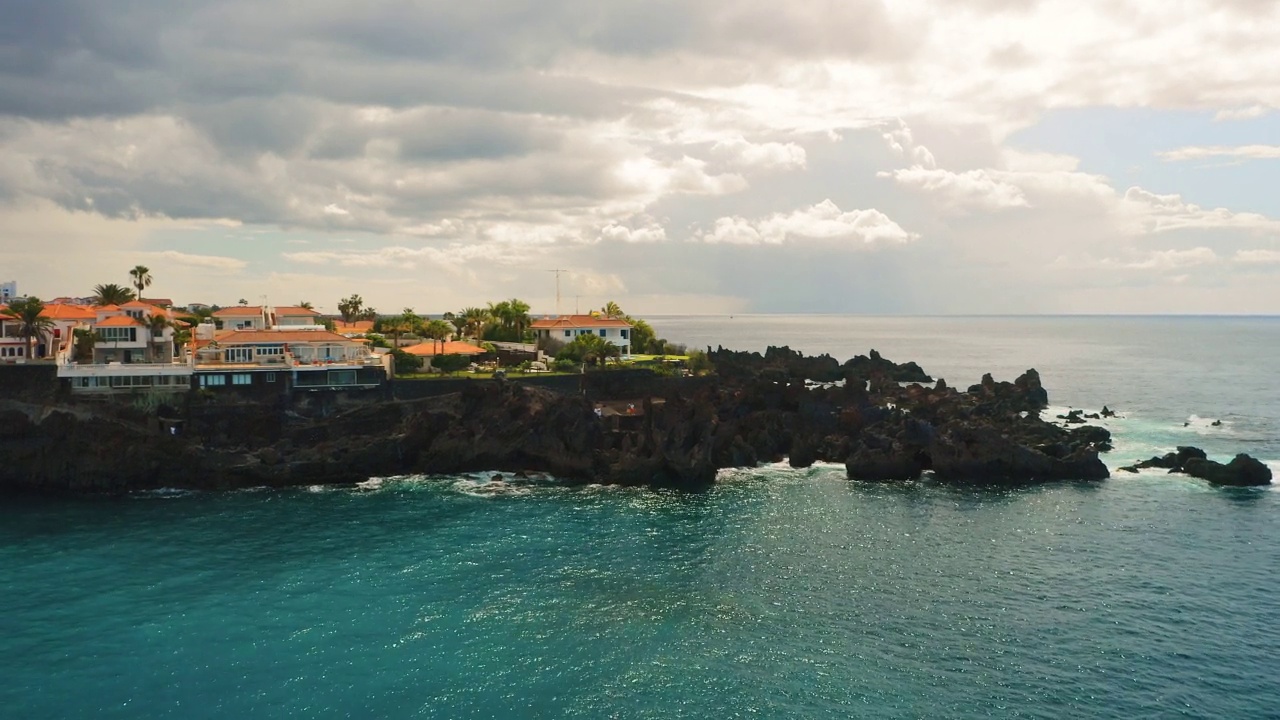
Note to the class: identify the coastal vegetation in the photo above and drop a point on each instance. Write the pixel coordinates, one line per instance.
(32, 325)
(111, 294)
(141, 277)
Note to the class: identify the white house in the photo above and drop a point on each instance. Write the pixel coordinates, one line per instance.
(263, 317)
(567, 327)
(134, 350)
(242, 317)
(66, 318)
(8, 291)
(128, 334)
(270, 361)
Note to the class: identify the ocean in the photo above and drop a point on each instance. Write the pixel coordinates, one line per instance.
(779, 593)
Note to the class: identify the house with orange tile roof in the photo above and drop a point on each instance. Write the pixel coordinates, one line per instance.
(66, 319)
(135, 332)
(567, 327)
(264, 317)
(133, 351)
(284, 359)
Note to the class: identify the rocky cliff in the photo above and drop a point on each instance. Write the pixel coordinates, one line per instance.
(760, 408)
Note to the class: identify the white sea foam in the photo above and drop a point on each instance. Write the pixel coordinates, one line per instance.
(166, 493)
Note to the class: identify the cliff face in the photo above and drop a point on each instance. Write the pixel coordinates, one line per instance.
(761, 408)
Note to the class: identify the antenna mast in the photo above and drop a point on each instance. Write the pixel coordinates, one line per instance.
(557, 271)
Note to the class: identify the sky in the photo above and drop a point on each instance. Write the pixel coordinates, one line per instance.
(674, 156)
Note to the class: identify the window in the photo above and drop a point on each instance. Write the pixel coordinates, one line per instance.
(269, 350)
(271, 377)
(342, 377)
(239, 355)
(211, 380)
(624, 334)
(242, 379)
(567, 333)
(115, 334)
(602, 332)
(12, 352)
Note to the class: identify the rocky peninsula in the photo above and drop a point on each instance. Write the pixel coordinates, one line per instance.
(882, 420)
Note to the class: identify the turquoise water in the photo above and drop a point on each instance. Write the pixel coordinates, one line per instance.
(780, 593)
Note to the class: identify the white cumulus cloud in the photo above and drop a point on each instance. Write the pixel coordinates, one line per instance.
(823, 221)
(1235, 152)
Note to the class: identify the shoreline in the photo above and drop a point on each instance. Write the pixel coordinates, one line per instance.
(882, 420)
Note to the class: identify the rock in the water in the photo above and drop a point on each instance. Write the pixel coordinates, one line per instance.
(1242, 471)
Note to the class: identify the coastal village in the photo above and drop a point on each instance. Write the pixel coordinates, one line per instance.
(124, 339)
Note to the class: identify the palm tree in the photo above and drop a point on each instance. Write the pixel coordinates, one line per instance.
(351, 308)
(519, 314)
(141, 275)
(156, 325)
(306, 305)
(438, 330)
(32, 324)
(85, 340)
(474, 320)
(611, 310)
(111, 294)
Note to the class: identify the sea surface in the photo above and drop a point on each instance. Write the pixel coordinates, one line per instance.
(780, 593)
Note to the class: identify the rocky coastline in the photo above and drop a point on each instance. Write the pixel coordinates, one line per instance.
(883, 421)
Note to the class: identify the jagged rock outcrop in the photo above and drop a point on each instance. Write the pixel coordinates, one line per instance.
(1242, 471)
(759, 408)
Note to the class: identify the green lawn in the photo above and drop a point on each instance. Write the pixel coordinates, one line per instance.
(654, 358)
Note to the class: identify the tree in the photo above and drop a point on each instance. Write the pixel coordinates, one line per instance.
(450, 363)
(141, 275)
(510, 320)
(519, 313)
(32, 324)
(438, 330)
(111, 294)
(85, 340)
(611, 310)
(395, 327)
(405, 363)
(242, 302)
(474, 321)
(590, 349)
(351, 308)
(156, 325)
(306, 305)
(700, 363)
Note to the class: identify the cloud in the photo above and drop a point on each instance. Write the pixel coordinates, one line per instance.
(768, 155)
(1149, 212)
(1245, 113)
(1170, 260)
(477, 138)
(970, 189)
(1239, 152)
(651, 233)
(208, 262)
(1258, 257)
(823, 221)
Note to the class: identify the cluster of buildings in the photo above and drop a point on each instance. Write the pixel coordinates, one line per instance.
(260, 350)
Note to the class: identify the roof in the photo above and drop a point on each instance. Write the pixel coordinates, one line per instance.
(244, 337)
(161, 302)
(60, 312)
(69, 312)
(452, 347)
(239, 311)
(578, 321)
(107, 308)
(294, 310)
(353, 326)
(141, 305)
(119, 321)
